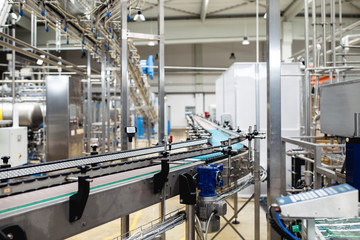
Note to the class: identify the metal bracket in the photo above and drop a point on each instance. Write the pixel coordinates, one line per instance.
(79, 199)
(161, 178)
(14, 232)
(187, 189)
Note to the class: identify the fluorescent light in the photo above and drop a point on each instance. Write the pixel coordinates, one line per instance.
(40, 61)
(139, 17)
(245, 42)
(151, 43)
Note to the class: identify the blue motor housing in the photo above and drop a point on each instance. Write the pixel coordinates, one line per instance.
(210, 177)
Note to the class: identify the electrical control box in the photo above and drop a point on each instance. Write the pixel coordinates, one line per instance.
(340, 201)
(13, 143)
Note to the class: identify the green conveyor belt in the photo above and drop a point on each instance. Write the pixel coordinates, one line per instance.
(69, 194)
(345, 228)
(216, 138)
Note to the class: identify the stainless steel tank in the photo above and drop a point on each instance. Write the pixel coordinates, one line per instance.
(30, 114)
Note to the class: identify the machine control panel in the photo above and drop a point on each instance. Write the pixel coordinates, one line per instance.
(335, 201)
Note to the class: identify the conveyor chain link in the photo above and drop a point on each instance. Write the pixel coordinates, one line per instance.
(91, 160)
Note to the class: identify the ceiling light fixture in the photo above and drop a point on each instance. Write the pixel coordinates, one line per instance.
(232, 56)
(40, 61)
(245, 42)
(151, 43)
(139, 17)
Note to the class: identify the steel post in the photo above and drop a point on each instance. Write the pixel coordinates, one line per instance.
(124, 76)
(125, 226)
(13, 85)
(236, 207)
(108, 137)
(307, 99)
(323, 22)
(124, 95)
(161, 80)
(190, 222)
(257, 186)
(275, 165)
(88, 115)
(314, 37)
(103, 104)
(162, 209)
(310, 228)
(115, 113)
(333, 32)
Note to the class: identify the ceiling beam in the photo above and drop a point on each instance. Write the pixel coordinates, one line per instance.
(204, 7)
(294, 9)
(172, 8)
(228, 8)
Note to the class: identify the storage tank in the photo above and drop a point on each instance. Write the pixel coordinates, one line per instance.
(30, 114)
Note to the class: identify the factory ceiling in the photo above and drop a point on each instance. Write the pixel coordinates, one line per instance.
(204, 9)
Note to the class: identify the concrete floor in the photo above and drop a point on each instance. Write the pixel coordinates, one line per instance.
(112, 229)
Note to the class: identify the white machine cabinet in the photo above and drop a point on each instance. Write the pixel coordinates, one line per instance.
(13, 143)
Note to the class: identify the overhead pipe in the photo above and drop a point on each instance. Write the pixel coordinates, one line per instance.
(74, 67)
(314, 38)
(333, 30)
(14, 111)
(323, 23)
(338, 32)
(345, 42)
(307, 99)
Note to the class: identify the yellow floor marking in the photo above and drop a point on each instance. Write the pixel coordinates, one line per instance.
(135, 220)
(131, 228)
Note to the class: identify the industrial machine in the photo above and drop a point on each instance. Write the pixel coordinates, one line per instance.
(341, 199)
(13, 145)
(67, 129)
(66, 192)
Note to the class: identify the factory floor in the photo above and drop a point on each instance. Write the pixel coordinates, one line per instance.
(112, 229)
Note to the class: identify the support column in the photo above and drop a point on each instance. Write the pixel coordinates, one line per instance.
(103, 104)
(257, 186)
(88, 115)
(190, 222)
(108, 136)
(275, 165)
(161, 84)
(124, 94)
(125, 226)
(13, 85)
(161, 94)
(124, 76)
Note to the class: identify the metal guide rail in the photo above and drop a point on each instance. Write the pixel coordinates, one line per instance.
(45, 214)
(34, 183)
(96, 159)
(206, 124)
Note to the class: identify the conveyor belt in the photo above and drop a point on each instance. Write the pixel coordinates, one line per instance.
(73, 163)
(44, 195)
(15, 186)
(217, 137)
